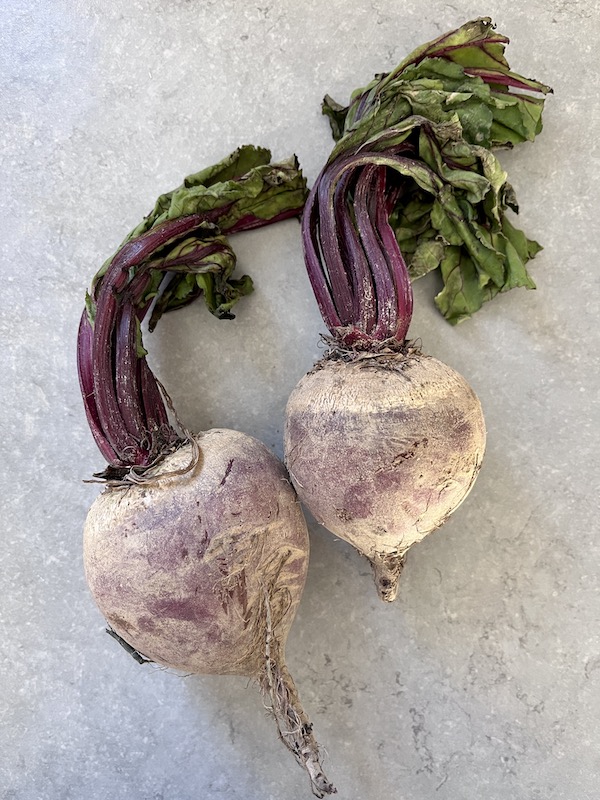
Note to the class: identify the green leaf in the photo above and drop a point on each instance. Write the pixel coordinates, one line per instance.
(518, 249)
(220, 296)
(445, 106)
(428, 256)
(232, 167)
(517, 121)
(206, 283)
(467, 286)
(210, 188)
(473, 44)
(265, 191)
(192, 257)
(182, 289)
(90, 308)
(462, 294)
(476, 119)
(445, 227)
(229, 293)
(463, 72)
(337, 116)
(474, 185)
(140, 350)
(411, 218)
(242, 191)
(467, 213)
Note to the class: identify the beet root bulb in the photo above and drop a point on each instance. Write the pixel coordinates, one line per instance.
(382, 449)
(202, 570)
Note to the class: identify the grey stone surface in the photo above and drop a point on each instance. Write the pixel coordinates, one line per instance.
(483, 679)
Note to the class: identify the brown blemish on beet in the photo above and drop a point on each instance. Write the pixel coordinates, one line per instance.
(145, 578)
(227, 471)
(222, 565)
(203, 546)
(118, 622)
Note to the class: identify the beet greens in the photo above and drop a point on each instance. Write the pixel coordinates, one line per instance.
(445, 106)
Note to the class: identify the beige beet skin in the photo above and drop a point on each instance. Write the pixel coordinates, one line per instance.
(381, 450)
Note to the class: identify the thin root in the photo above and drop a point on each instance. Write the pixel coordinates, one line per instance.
(294, 727)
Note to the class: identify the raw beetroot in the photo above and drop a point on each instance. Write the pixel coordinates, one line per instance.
(202, 570)
(383, 442)
(382, 450)
(196, 551)
(185, 565)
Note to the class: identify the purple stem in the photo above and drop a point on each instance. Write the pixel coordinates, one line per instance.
(154, 407)
(512, 81)
(250, 222)
(360, 274)
(85, 361)
(346, 227)
(105, 392)
(313, 260)
(387, 304)
(108, 365)
(124, 406)
(399, 271)
(330, 244)
(127, 388)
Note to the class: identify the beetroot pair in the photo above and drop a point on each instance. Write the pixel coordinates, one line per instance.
(196, 551)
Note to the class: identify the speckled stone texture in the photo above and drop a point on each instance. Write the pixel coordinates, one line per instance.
(483, 679)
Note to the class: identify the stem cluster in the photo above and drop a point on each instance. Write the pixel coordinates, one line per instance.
(176, 254)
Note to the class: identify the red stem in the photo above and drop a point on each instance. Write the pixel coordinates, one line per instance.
(365, 201)
(365, 312)
(124, 405)
(129, 429)
(353, 260)
(384, 203)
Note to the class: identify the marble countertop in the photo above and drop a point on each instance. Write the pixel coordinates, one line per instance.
(483, 679)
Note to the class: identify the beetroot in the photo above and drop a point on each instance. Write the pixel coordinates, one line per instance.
(383, 442)
(202, 570)
(382, 451)
(196, 551)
